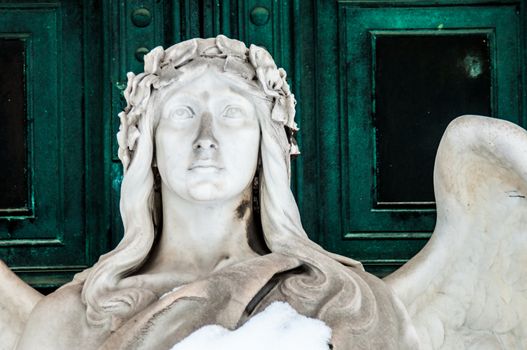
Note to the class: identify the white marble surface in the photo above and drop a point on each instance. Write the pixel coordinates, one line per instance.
(467, 288)
(205, 142)
(17, 299)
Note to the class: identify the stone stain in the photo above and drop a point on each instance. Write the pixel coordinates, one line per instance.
(514, 194)
(242, 209)
(254, 230)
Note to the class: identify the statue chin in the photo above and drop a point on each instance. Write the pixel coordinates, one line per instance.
(218, 118)
(206, 190)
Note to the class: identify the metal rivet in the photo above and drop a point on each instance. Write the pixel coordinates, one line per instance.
(141, 17)
(260, 15)
(140, 53)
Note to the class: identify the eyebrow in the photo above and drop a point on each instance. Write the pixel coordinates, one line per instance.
(180, 93)
(251, 91)
(232, 98)
(232, 91)
(182, 96)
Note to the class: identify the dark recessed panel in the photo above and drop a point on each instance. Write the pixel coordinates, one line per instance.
(422, 82)
(13, 152)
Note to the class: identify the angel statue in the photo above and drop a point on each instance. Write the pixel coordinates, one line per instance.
(214, 255)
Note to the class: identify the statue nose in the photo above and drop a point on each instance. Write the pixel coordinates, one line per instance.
(205, 138)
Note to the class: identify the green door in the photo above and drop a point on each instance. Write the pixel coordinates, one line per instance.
(51, 172)
(394, 75)
(376, 83)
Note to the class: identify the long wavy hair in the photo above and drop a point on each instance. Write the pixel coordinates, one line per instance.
(281, 226)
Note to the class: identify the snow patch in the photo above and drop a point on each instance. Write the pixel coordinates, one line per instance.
(278, 327)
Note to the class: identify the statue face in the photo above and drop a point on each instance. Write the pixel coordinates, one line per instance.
(207, 139)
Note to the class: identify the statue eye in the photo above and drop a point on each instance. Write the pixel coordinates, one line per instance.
(233, 112)
(182, 113)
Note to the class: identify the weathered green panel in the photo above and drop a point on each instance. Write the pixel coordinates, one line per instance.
(76, 75)
(369, 232)
(52, 241)
(15, 182)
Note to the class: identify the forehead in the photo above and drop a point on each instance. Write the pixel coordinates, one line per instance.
(212, 85)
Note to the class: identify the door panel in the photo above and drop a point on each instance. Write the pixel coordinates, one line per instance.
(43, 232)
(14, 184)
(376, 84)
(421, 81)
(406, 73)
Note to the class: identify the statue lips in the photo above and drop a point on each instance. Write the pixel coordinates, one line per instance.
(207, 166)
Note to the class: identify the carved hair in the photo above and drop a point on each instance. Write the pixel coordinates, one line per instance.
(280, 219)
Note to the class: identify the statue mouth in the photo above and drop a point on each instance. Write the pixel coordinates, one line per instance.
(205, 166)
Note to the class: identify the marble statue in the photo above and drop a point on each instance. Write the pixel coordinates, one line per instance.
(213, 235)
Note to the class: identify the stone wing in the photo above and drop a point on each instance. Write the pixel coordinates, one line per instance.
(467, 288)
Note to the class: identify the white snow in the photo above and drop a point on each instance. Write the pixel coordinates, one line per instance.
(278, 327)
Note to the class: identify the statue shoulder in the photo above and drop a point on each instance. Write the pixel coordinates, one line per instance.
(58, 321)
(353, 303)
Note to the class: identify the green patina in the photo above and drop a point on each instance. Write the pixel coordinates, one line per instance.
(77, 56)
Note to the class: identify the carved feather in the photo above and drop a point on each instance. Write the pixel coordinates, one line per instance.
(467, 288)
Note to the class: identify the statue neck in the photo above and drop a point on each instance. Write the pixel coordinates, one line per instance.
(198, 238)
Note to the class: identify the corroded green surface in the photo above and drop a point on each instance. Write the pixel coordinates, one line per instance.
(77, 59)
(61, 231)
(384, 235)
